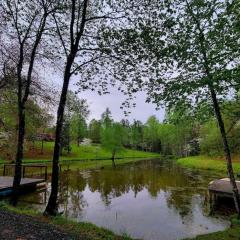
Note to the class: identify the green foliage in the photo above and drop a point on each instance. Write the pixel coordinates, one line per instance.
(112, 138)
(232, 233)
(94, 131)
(150, 135)
(137, 135)
(66, 137)
(37, 120)
(210, 139)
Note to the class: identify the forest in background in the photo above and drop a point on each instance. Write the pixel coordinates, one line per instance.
(183, 132)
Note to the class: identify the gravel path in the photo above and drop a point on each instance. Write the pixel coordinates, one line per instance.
(21, 227)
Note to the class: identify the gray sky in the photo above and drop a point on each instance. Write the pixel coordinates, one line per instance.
(98, 104)
(113, 100)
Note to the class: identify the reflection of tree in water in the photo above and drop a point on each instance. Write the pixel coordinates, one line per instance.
(178, 185)
(71, 198)
(181, 197)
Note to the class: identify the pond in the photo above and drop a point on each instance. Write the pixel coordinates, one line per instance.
(150, 199)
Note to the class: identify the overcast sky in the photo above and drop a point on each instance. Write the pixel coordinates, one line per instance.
(113, 100)
(98, 104)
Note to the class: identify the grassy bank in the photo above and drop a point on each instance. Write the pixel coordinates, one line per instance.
(82, 157)
(80, 230)
(82, 152)
(207, 163)
(232, 233)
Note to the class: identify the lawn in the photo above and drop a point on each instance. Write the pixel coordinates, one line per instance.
(232, 233)
(82, 152)
(207, 163)
(83, 157)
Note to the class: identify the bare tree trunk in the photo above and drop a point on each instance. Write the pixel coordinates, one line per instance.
(52, 206)
(19, 154)
(113, 158)
(226, 149)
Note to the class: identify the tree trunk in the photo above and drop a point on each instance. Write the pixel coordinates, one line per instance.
(226, 149)
(19, 154)
(52, 206)
(113, 159)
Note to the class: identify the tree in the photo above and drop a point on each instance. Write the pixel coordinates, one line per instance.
(25, 25)
(37, 118)
(198, 59)
(112, 138)
(80, 27)
(79, 112)
(150, 134)
(137, 133)
(127, 132)
(94, 131)
(87, 31)
(106, 118)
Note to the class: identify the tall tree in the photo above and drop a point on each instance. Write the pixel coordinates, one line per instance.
(87, 30)
(82, 26)
(25, 25)
(198, 58)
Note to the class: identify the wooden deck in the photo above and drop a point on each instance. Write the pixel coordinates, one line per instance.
(222, 187)
(6, 184)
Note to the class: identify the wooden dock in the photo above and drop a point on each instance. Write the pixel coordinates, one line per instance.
(221, 188)
(32, 177)
(26, 183)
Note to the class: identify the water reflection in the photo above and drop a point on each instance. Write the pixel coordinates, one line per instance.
(150, 199)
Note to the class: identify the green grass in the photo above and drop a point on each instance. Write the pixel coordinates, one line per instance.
(207, 163)
(83, 230)
(230, 234)
(85, 157)
(89, 152)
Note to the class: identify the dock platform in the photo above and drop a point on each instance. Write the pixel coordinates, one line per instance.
(26, 183)
(222, 187)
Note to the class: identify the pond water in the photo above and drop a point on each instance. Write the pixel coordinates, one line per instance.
(150, 199)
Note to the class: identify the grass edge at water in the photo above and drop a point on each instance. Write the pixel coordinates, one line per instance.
(202, 162)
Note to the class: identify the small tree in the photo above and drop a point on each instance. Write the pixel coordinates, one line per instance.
(112, 138)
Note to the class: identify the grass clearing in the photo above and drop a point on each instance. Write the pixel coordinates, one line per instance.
(82, 152)
(207, 163)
